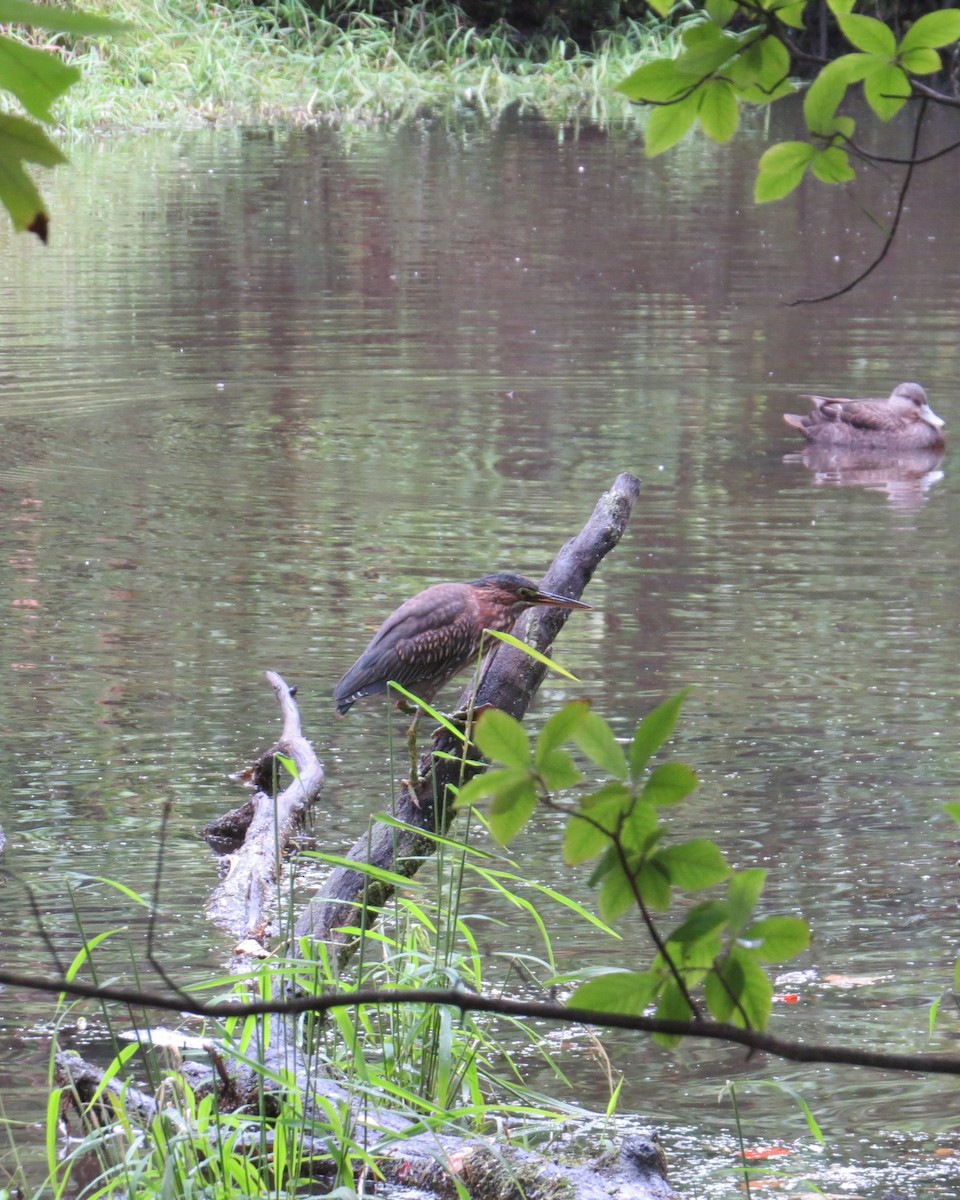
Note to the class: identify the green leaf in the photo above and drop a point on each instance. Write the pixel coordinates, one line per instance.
(780, 170)
(641, 829)
(761, 73)
(720, 11)
(55, 19)
(380, 874)
(693, 960)
(559, 728)
(655, 728)
(609, 860)
(530, 652)
(952, 809)
(657, 82)
(616, 891)
(743, 892)
(619, 991)
(122, 889)
(596, 739)
(779, 938)
(481, 787)
(673, 1006)
(922, 61)
(85, 953)
(23, 141)
(869, 35)
(558, 771)
(740, 992)
(653, 885)
(702, 923)
(843, 126)
(661, 7)
(707, 48)
(887, 90)
(693, 865)
(455, 731)
(511, 809)
(719, 111)
(932, 30)
(840, 8)
(501, 738)
(669, 124)
(790, 12)
(932, 1014)
(35, 77)
(832, 165)
(582, 840)
(823, 96)
(956, 975)
(669, 783)
(588, 835)
(612, 793)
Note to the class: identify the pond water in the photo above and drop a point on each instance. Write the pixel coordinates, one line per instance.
(263, 386)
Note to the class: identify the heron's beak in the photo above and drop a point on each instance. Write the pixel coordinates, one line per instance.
(555, 601)
(931, 418)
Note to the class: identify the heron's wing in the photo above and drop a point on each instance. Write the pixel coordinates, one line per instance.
(412, 646)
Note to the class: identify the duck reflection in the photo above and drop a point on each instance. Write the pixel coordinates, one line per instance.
(905, 476)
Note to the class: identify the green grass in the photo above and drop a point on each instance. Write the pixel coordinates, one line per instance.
(443, 1072)
(186, 62)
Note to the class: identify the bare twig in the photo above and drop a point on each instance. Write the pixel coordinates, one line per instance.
(912, 163)
(465, 1001)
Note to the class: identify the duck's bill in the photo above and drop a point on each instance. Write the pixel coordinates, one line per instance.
(931, 417)
(551, 598)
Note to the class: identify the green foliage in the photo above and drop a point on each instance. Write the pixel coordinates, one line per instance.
(36, 79)
(194, 64)
(720, 945)
(718, 69)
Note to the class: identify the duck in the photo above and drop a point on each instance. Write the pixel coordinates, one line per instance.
(904, 421)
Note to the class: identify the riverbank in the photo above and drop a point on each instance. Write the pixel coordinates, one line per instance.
(187, 63)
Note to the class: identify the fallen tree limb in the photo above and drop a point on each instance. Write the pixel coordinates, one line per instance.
(509, 680)
(265, 824)
(488, 1169)
(791, 1049)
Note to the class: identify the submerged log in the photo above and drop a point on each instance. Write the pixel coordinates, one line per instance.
(261, 830)
(509, 680)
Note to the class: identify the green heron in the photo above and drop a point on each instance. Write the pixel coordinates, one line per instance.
(437, 633)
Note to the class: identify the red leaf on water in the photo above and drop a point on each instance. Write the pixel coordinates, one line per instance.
(764, 1152)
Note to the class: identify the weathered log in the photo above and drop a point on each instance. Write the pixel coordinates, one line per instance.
(509, 680)
(487, 1169)
(266, 823)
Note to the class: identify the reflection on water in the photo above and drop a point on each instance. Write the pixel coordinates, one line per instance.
(299, 376)
(904, 477)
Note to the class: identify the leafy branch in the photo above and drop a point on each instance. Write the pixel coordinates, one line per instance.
(719, 69)
(720, 945)
(36, 79)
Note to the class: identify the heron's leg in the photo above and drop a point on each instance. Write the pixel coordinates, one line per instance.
(412, 746)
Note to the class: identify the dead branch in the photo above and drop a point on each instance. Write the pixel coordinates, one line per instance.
(266, 824)
(509, 680)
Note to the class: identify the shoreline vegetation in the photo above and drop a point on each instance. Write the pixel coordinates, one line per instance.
(188, 63)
